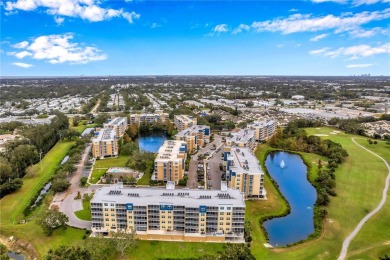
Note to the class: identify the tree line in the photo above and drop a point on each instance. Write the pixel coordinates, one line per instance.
(21, 153)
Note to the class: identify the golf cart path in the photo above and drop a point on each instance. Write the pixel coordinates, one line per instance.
(349, 238)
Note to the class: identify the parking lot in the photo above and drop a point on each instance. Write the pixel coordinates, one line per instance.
(196, 170)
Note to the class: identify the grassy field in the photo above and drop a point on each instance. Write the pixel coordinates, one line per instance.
(11, 206)
(101, 166)
(173, 250)
(144, 180)
(85, 213)
(357, 180)
(377, 229)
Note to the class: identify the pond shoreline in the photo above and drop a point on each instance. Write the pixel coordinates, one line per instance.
(318, 225)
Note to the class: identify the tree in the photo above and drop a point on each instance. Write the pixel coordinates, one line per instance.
(99, 247)
(50, 220)
(132, 131)
(126, 138)
(122, 241)
(83, 181)
(250, 104)
(10, 186)
(129, 148)
(5, 171)
(385, 257)
(68, 253)
(236, 252)
(60, 184)
(69, 134)
(3, 252)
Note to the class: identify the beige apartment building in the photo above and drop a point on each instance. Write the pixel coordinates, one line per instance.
(243, 172)
(242, 138)
(183, 122)
(149, 118)
(169, 164)
(118, 124)
(264, 129)
(105, 144)
(195, 136)
(170, 214)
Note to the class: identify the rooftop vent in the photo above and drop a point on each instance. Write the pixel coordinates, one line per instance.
(133, 194)
(114, 192)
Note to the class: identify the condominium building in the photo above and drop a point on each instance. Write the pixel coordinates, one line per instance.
(242, 138)
(195, 136)
(118, 124)
(105, 144)
(243, 172)
(149, 118)
(264, 129)
(169, 164)
(183, 122)
(170, 214)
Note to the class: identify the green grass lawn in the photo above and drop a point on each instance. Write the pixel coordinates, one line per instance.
(101, 166)
(173, 250)
(12, 206)
(374, 240)
(359, 185)
(85, 213)
(144, 180)
(81, 127)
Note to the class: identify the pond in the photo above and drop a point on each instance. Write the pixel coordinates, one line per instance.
(151, 141)
(16, 256)
(290, 173)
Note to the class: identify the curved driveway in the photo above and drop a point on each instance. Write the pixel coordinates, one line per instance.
(349, 238)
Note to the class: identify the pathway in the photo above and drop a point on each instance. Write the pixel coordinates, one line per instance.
(65, 200)
(349, 238)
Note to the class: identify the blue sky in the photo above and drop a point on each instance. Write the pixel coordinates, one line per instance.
(88, 37)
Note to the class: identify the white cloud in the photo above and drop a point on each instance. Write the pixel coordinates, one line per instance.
(22, 65)
(155, 25)
(334, 1)
(58, 49)
(293, 10)
(354, 52)
(368, 2)
(20, 45)
(84, 9)
(353, 2)
(307, 23)
(319, 51)
(354, 66)
(20, 55)
(240, 28)
(362, 33)
(220, 28)
(318, 37)
(59, 20)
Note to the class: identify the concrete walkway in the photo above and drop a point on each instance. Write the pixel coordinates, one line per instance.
(351, 236)
(65, 200)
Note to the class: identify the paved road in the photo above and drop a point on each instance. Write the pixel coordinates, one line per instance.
(65, 200)
(349, 238)
(192, 182)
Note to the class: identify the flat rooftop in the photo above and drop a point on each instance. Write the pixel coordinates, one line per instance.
(244, 161)
(117, 121)
(192, 129)
(105, 134)
(242, 136)
(157, 196)
(263, 123)
(170, 150)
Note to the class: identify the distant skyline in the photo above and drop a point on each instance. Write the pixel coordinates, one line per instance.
(97, 38)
